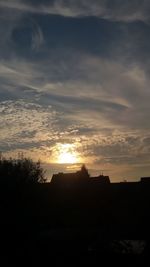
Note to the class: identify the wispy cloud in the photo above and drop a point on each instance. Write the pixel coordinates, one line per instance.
(118, 10)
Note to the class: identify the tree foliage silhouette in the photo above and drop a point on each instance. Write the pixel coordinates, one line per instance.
(21, 171)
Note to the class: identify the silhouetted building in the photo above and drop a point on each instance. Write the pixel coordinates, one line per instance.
(145, 179)
(101, 179)
(78, 178)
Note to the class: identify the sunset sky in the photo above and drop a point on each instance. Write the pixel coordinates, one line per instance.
(74, 84)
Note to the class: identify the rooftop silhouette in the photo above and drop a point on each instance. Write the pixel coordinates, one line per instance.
(78, 178)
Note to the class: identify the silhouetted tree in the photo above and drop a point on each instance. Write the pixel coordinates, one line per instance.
(21, 171)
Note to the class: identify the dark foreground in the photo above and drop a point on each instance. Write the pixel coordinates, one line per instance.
(47, 226)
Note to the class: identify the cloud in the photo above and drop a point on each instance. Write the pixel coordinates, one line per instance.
(113, 94)
(23, 124)
(117, 93)
(107, 9)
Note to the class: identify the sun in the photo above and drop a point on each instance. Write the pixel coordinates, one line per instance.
(66, 154)
(67, 157)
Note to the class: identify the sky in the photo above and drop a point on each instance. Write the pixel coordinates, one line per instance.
(74, 85)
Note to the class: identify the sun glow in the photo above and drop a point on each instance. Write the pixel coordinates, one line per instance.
(67, 157)
(66, 154)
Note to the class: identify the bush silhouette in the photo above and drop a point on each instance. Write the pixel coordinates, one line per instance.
(21, 171)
